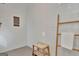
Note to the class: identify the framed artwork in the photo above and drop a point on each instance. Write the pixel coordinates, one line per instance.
(16, 21)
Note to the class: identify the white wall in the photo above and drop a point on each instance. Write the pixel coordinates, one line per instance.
(42, 18)
(15, 37)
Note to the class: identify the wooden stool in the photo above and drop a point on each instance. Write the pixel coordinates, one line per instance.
(41, 49)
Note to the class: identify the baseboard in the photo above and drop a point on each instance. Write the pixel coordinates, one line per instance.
(29, 45)
(6, 50)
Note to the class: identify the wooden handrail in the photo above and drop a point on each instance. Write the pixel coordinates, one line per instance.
(74, 34)
(66, 22)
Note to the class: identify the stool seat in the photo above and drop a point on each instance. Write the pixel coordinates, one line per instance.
(40, 49)
(41, 45)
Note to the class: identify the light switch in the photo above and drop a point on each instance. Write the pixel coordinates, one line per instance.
(43, 34)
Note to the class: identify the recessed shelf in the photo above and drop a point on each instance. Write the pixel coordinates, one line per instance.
(75, 49)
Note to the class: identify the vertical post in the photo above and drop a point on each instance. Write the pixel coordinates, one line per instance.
(57, 35)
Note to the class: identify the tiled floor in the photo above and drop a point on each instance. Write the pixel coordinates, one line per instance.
(24, 51)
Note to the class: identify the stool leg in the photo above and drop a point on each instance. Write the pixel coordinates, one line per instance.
(48, 51)
(33, 51)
